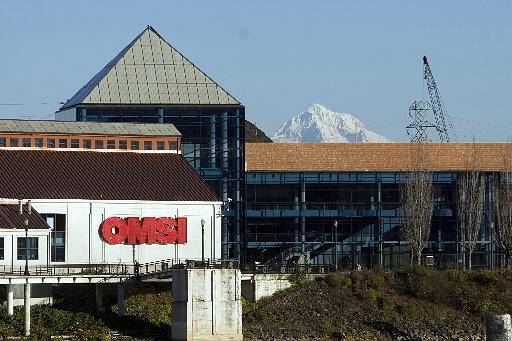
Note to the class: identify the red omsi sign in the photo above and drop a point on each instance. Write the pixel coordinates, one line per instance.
(133, 231)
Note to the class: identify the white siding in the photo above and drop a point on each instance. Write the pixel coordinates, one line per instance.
(84, 244)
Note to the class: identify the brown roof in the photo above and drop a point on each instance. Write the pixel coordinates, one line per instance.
(47, 174)
(10, 218)
(346, 157)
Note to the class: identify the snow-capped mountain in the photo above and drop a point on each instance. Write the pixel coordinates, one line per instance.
(319, 124)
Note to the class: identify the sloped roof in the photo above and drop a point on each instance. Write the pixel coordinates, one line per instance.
(88, 128)
(10, 218)
(48, 174)
(150, 71)
(379, 157)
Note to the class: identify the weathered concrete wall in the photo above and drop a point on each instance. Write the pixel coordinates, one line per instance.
(262, 285)
(498, 327)
(206, 304)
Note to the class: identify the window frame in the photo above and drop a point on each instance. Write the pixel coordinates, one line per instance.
(21, 255)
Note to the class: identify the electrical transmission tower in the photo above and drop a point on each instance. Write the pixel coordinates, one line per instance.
(419, 111)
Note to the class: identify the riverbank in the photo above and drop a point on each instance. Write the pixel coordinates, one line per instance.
(414, 304)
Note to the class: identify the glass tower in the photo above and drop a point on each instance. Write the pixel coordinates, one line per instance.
(150, 81)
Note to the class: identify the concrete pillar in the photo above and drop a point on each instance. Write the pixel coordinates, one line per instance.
(26, 304)
(99, 298)
(10, 299)
(120, 299)
(498, 327)
(206, 304)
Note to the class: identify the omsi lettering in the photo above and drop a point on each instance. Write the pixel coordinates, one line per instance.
(148, 230)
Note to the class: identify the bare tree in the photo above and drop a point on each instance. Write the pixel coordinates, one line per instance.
(503, 209)
(470, 206)
(416, 204)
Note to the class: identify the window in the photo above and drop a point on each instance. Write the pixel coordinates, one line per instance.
(1, 247)
(38, 142)
(75, 143)
(123, 144)
(135, 145)
(27, 142)
(63, 143)
(32, 249)
(57, 223)
(173, 145)
(3, 142)
(98, 144)
(111, 144)
(148, 145)
(13, 142)
(87, 144)
(160, 145)
(50, 143)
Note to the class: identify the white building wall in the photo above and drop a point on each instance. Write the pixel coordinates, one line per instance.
(84, 244)
(11, 248)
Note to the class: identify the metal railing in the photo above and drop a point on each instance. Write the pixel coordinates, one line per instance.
(69, 270)
(117, 270)
(287, 268)
(284, 256)
(165, 265)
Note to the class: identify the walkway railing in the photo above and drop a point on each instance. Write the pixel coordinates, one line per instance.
(166, 265)
(68, 270)
(116, 270)
(287, 269)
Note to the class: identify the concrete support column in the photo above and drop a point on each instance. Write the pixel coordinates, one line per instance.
(498, 327)
(120, 300)
(10, 299)
(99, 298)
(26, 303)
(206, 304)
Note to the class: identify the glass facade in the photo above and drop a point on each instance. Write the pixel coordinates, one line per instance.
(292, 214)
(212, 142)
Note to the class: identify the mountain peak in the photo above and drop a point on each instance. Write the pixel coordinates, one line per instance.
(320, 124)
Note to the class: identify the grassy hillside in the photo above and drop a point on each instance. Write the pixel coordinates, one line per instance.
(415, 304)
(148, 309)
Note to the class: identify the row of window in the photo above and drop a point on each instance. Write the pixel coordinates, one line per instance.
(30, 248)
(88, 143)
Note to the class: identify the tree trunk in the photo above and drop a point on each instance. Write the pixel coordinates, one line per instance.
(470, 252)
(418, 255)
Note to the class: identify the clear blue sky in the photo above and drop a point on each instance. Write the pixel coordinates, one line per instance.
(277, 57)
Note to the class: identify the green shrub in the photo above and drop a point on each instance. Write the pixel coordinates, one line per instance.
(298, 277)
(375, 280)
(384, 302)
(335, 279)
(357, 279)
(416, 271)
(485, 277)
